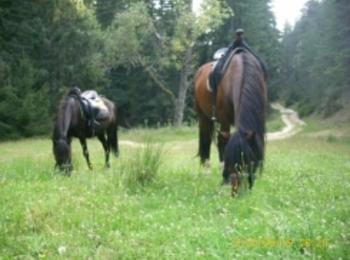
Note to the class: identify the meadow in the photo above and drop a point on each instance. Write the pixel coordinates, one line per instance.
(155, 201)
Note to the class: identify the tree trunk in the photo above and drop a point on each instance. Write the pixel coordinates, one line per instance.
(184, 84)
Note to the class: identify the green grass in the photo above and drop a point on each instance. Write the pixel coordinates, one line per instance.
(159, 135)
(298, 209)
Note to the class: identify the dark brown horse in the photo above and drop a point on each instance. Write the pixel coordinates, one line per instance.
(72, 122)
(241, 101)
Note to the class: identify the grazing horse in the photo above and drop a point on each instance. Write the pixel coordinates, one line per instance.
(241, 101)
(71, 121)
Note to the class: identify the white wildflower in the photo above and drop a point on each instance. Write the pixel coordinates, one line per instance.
(61, 250)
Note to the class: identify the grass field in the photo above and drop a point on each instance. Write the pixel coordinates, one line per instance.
(154, 202)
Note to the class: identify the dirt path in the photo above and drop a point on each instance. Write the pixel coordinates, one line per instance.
(293, 124)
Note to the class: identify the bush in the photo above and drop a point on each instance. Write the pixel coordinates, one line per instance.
(305, 109)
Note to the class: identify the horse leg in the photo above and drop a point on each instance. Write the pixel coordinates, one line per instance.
(223, 137)
(70, 165)
(106, 147)
(85, 151)
(206, 127)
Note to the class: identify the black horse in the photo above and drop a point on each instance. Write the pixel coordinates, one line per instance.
(72, 120)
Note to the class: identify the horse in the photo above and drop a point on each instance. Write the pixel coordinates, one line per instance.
(71, 122)
(241, 101)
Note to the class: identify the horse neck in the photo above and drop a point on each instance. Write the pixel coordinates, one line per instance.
(250, 115)
(64, 119)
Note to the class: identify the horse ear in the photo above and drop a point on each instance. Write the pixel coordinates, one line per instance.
(249, 135)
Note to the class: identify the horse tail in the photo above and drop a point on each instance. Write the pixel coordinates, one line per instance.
(112, 133)
(245, 149)
(206, 130)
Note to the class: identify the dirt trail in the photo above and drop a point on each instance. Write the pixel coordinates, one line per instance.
(293, 125)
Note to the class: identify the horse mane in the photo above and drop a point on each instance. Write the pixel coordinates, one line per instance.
(62, 107)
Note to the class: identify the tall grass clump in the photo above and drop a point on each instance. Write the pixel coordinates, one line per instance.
(142, 168)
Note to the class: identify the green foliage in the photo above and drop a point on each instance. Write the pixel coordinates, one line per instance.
(137, 39)
(305, 109)
(46, 47)
(315, 65)
(23, 109)
(143, 54)
(128, 36)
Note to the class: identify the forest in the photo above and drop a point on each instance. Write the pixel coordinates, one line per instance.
(143, 55)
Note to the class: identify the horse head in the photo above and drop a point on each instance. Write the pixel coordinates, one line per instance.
(243, 155)
(62, 152)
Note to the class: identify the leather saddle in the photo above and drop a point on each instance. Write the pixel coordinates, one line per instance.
(94, 104)
(222, 58)
(93, 108)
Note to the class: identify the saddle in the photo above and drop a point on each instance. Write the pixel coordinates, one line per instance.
(219, 66)
(93, 108)
(95, 105)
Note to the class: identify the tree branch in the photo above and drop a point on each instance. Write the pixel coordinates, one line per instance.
(153, 75)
